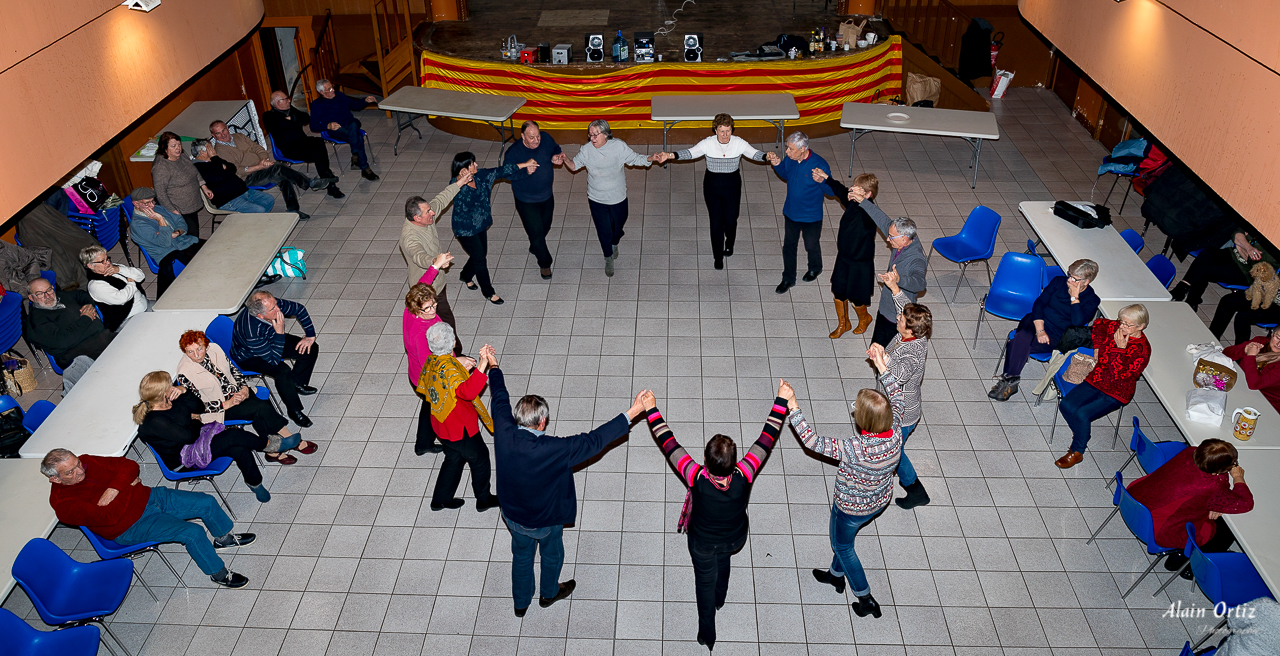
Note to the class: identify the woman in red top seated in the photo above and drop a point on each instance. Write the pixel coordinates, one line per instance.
(1194, 487)
(1257, 357)
(1122, 352)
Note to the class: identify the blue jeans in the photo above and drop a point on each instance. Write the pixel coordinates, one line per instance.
(844, 530)
(524, 542)
(165, 520)
(350, 133)
(907, 473)
(250, 202)
(1080, 407)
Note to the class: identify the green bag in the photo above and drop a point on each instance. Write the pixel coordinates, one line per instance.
(289, 263)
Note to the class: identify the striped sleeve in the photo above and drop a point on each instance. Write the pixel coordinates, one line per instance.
(832, 448)
(752, 462)
(254, 338)
(299, 312)
(686, 468)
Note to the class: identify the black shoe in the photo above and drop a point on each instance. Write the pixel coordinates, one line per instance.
(451, 504)
(728, 251)
(306, 390)
(335, 192)
(302, 216)
(1180, 290)
(1006, 387)
(233, 540)
(825, 576)
(1175, 562)
(231, 580)
(355, 163)
(499, 300)
(300, 419)
(566, 589)
(482, 506)
(810, 276)
(545, 273)
(521, 611)
(719, 264)
(434, 448)
(866, 606)
(709, 643)
(317, 184)
(368, 174)
(784, 286)
(916, 496)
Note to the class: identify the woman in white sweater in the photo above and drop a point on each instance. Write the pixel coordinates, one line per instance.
(722, 184)
(116, 289)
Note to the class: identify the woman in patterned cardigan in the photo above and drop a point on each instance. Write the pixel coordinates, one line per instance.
(864, 485)
(906, 356)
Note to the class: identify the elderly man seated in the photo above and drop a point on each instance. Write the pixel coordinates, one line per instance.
(106, 496)
(162, 234)
(116, 289)
(229, 191)
(65, 324)
(255, 166)
(331, 112)
(284, 123)
(260, 343)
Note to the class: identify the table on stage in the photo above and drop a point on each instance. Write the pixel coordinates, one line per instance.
(411, 102)
(96, 416)
(775, 108)
(25, 513)
(1122, 275)
(195, 119)
(973, 127)
(227, 267)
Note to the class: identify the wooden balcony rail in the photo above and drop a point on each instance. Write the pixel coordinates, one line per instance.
(936, 25)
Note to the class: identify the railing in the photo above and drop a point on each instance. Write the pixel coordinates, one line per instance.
(936, 25)
(324, 57)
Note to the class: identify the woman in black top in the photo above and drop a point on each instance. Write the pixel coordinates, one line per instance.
(716, 507)
(853, 277)
(168, 419)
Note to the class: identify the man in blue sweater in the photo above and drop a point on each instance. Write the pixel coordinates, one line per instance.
(259, 343)
(802, 211)
(331, 113)
(534, 201)
(535, 483)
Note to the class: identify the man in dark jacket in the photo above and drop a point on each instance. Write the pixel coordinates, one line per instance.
(908, 259)
(284, 123)
(331, 113)
(65, 324)
(535, 483)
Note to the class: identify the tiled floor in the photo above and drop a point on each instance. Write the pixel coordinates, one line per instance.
(349, 559)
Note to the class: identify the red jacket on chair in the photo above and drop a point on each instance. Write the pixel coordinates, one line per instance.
(1178, 492)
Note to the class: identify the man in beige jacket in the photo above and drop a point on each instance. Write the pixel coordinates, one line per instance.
(420, 244)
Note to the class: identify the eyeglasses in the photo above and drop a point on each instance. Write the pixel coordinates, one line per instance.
(104, 260)
(1126, 324)
(47, 292)
(593, 135)
(1075, 279)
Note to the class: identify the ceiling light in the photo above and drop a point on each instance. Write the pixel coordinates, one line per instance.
(141, 5)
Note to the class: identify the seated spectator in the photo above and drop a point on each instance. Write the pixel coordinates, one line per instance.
(162, 234)
(454, 385)
(331, 112)
(1253, 633)
(1065, 302)
(106, 496)
(1236, 305)
(1122, 353)
(1193, 487)
(116, 289)
(168, 421)
(212, 379)
(1257, 358)
(284, 123)
(259, 343)
(65, 324)
(255, 166)
(229, 191)
(1228, 263)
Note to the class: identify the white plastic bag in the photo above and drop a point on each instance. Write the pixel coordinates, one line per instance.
(1000, 83)
(1206, 406)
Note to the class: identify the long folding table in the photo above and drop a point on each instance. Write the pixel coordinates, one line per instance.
(410, 103)
(229, 264)
(973, 127)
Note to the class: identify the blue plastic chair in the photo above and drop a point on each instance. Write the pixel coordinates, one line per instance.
(335, 142)
(1150, 455)
(1186, 650)
(1138, 518)
(10, 321)
(107, 550)
(1013, 289)
(67, 593)
(17, 638)
(8, 403)
(279, 156)
(155, 268)
(1133, 239)
(216, 468)
(262, 393)
(51, 276)
(1064, 388)
(1227, 578)
(219, 332)
(975, 241)
(1162, 269)
(36, 414)
(1038, 357)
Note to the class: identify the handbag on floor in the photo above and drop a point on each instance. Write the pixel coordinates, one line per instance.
(289, 263)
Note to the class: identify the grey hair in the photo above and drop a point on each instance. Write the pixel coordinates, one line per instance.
(1084, 269)
(257, 303)
(49, 466)
(1137, 313)
(531, 410)
(199, 146)
(440, 339)
(413, 207)
(798, 139)
(89, 252)
(906, 227)
(603, 126)
(320, 84)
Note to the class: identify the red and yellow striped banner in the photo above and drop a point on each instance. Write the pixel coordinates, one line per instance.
(559, 100)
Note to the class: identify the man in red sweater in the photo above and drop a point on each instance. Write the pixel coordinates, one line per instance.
(106, 496)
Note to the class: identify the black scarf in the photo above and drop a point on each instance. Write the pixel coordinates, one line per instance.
(112, 315)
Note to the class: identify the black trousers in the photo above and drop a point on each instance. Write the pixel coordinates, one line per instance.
(711, 580)
(723, 193)
(239, 445)
(536, 218)
(426, 433)
(193, 222)
(284, 177)
(166, 277)
(287, 378)
(609, 220)
(1023, 344)
(477, 266)
(1237, 306)
(309, 149)
(471, 451)
(884, 331)
(1221, 541)
(812, 232)
(1213, 265)
(266, 421)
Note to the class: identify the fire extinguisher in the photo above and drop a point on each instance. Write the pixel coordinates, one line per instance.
(997, 41)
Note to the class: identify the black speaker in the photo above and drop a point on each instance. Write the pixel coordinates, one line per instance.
(693, 47)
(595, 48)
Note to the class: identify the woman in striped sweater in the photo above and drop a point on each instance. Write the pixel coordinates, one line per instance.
(864, 485)
(906, 356)
(715, 513)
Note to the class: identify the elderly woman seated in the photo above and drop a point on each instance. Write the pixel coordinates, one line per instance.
(1257, 358)
(169, 421)
(452, 385)
(1064, 302)
(1199, 486)
(116, 289)
(208, 374)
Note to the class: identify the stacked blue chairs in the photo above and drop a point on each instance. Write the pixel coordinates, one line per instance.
(1138, 518)
(1162, 269)
(104, 225)
(1014, 288)
(1226, 578)
(1150, 455)
(107, 550)
(36, 414)
(70, 594)
(219, 332)
(975, 242)
(10, 321)
(17, 638)
(216, 468)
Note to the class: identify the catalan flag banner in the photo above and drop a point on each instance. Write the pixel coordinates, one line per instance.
(558, 100)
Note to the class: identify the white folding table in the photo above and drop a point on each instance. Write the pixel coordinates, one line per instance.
(24, 514)
(1258, 531)
(228, 266)
(411, 102)
(195, 119)
(973, 127)
(1122, 275)
(96, 416)
(775, 108)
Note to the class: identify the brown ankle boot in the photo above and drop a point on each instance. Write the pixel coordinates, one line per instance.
(842, 312)
(864, 319)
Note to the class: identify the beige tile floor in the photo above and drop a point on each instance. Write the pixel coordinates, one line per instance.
(349, 559)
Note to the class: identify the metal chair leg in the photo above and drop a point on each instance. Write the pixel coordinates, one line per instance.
(146, 587)
(1000, 360)
(1171, 578)
(963, 266)
(990, 279)
(1144, 575)
(168, 564)
(220, 495)
(1115, 439)
(1056, 411)
(105, 627)
(982, 311)
(1126, 464)
(1103, 525)
(1210, 634)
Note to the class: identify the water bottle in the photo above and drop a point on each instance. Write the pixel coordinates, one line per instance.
(619, 48)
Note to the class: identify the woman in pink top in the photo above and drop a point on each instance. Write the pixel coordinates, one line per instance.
(419, 315)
